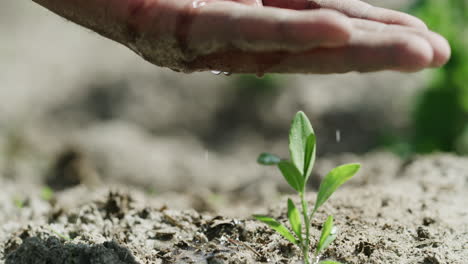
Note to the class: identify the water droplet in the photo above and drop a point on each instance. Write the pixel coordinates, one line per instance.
(260, 75)
(198, 3)
(227, 73)
(338, 135)
(216, 72)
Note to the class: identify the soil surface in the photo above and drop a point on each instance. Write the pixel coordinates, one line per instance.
(144, 165)
(392, 212)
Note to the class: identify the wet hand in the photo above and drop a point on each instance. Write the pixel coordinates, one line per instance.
(290, 36)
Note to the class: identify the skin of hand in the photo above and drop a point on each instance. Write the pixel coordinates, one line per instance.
(269, 36)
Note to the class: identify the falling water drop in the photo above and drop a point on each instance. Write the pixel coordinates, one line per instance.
(338, 135)
(216, 72)
(198, 3)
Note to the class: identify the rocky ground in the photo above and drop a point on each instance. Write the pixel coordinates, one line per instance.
(392, 212)
(107, 159)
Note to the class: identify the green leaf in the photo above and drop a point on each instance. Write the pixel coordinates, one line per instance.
(334, 179)
(268, 159)
(329, 262)
(309, 158)
(300, 131)
(326, 233)
(330, 238)
(294, 219)
(292, 175)
(275, 225)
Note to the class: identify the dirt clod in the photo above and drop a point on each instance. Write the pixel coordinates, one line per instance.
(117, 205)
(117, 227)
(71, 168)
(428, 221)
(52, 251)
(365, 247)
(423, 233)
(430, 260)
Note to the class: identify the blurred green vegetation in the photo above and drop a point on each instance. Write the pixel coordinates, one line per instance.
(47, 194)
(440, 112)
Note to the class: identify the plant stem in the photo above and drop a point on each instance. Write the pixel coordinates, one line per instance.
(306, 242)
(316, 256)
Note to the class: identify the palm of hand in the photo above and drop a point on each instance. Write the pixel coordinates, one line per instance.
(297, 36)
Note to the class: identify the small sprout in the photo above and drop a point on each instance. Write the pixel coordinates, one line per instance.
(62, 236)
(302, 149)
(151, 191)
(19, 203)
(47, 194)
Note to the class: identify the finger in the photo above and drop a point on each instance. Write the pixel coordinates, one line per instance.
(357, 9)
(367, 52)
(225, 25)
(439, 44)
(394, 51)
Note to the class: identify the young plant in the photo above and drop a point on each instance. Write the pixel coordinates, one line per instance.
(296, 172)
(47, 194)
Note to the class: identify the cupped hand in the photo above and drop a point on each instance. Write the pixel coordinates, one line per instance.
(281, 36)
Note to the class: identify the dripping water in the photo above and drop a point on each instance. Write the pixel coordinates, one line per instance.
(198, 3)
(338, 135)
(219, 72)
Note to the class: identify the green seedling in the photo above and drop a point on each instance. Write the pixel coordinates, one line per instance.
(62, 236)
(19, 202)
(47, 194)
(296, 172)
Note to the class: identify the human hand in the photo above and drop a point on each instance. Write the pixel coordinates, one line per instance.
(287, 36)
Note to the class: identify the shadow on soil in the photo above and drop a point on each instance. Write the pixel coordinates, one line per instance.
(53, 251)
